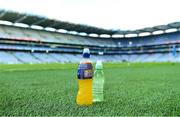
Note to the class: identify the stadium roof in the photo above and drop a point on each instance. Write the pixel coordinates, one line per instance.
(44, 22)
(29, 19)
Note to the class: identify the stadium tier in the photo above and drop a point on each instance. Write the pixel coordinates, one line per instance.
(24, 45)
(20, 44)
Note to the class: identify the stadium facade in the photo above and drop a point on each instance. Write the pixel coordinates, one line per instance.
(28, 38)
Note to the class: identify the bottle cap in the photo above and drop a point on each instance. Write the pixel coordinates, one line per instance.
(86, 53)
(99, 65)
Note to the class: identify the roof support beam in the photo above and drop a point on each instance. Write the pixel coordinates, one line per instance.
(2, 14)
(36, 23)
(21, 19)
(54, 24)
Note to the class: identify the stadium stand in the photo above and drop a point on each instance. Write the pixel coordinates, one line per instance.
(20, 44)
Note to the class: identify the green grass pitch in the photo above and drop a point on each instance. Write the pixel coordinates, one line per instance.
(50, 89)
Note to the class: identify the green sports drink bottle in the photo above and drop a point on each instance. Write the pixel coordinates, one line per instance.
(98, 83)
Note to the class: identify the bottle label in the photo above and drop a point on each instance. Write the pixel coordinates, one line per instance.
(85, 71)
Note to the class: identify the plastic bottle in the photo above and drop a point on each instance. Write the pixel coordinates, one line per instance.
(98, 83)
(85, 75)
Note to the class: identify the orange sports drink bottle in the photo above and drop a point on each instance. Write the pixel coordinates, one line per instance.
(85, 74)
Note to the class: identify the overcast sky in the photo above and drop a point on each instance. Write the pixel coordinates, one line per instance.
(109, 14)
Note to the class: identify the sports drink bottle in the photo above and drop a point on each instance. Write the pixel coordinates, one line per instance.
(98, 83)
(85, 75)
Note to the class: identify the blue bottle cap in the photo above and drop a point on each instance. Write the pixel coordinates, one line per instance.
(86, 53)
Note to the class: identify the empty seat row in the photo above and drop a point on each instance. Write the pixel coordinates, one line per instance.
(8, 57)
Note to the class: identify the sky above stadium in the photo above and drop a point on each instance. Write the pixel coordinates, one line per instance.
(109, 14)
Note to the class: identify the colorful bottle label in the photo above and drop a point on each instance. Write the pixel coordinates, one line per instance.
(85, 71)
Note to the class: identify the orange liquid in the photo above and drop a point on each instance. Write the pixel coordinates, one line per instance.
(84, 96)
